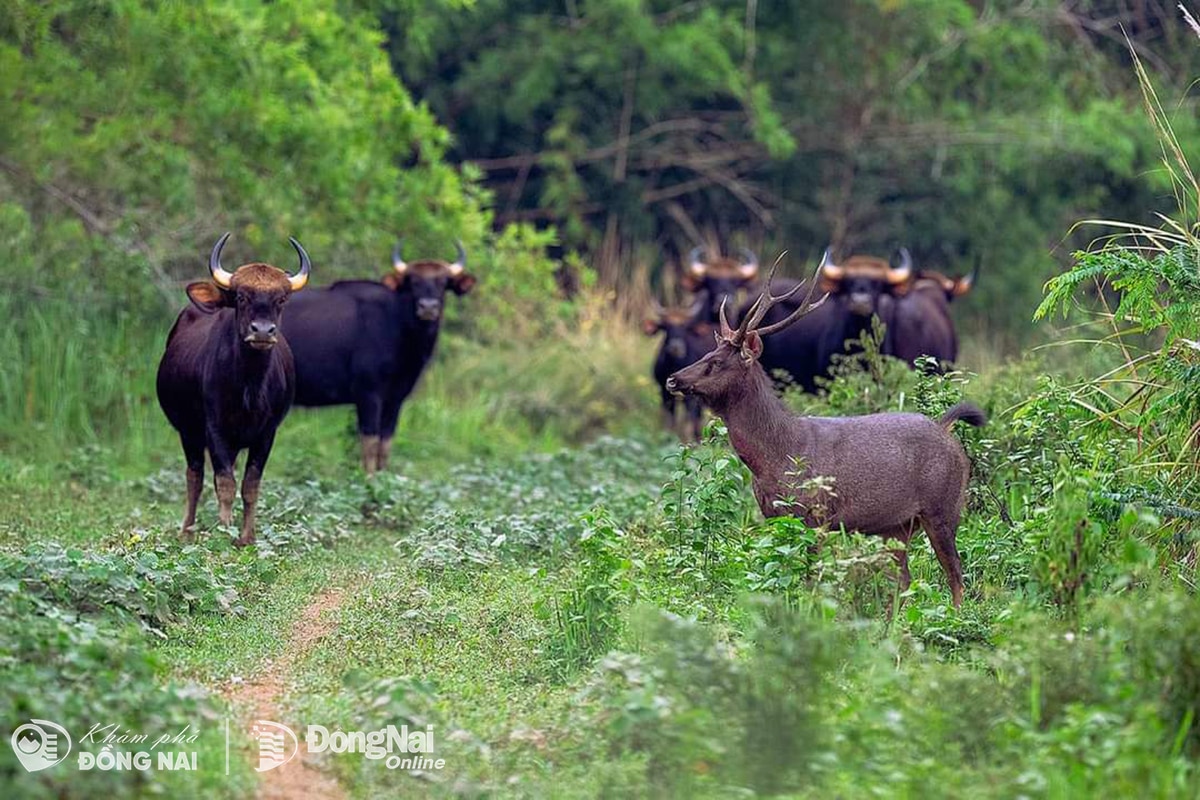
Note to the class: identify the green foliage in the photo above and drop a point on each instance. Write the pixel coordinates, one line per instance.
(478, 515)
(520, 301)
(79, 672)
(282, 119)
(587, 617)
(705, 503)
(704, 717)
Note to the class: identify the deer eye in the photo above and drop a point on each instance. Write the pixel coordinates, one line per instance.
(708, 370)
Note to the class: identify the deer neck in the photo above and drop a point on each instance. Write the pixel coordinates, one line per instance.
(761, 428)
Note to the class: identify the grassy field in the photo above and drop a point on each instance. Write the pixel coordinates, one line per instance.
(580, 607)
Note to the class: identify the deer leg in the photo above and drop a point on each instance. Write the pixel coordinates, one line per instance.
(941, 532)
(900, 535)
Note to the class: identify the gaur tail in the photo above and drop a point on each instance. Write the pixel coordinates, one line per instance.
(967, 412)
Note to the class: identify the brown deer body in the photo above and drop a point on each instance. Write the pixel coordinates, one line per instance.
(882, 474)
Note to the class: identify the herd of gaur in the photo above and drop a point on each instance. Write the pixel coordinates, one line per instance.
(245, 350)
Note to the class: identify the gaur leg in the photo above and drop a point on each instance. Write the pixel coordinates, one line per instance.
(369, 407)
(941, 529)
(256, 462)
(389, 419)
(668, 411)
(226, 485)
(193, 453)
(695, 419)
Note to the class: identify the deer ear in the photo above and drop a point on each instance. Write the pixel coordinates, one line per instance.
(649, 326)
(207, 296)
(752, 346)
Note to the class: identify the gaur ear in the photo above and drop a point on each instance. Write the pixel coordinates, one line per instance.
(394, 282)
(961, 286)
(207, 296)
(462, 283)
(690, 282)
(752, 346)
(650, 327)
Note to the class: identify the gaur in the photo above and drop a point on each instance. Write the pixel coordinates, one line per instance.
(686, 337)
(227, 378)
(921, 324)
(366, 343)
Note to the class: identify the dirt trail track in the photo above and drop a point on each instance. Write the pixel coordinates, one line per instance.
(258, 698)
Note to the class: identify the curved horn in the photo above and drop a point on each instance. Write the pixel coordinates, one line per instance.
(900, 274)
(299, 280)
(219, 275)
(397, 259)
(828, 269)
(460, 263)
(964, 285)
(749, 266)
(695, 265)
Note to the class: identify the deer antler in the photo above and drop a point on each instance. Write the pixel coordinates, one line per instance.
(766, 301)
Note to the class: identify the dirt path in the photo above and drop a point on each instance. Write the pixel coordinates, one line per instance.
(258, 699)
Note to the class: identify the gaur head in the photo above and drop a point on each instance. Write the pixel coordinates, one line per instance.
(861, 280)
(256, 292)
(726, 372)
(719, 278)
(677, 324)
(427, 281)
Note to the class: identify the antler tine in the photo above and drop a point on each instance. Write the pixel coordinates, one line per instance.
(806, 306)
(725, 326)
(740, 333)
(766, 300)
(803, 310)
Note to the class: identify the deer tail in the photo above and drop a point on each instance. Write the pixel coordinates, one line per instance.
(967, 412)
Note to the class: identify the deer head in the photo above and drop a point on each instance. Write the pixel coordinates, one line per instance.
(721, 376)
